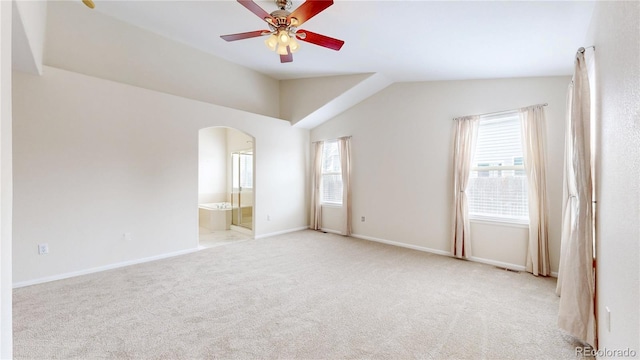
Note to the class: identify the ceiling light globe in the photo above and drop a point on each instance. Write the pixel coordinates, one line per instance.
(283, 38)
(271, 42)
(294, 45)
(282, 50)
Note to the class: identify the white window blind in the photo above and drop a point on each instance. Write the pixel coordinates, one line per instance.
(331, 189)
(497, 188)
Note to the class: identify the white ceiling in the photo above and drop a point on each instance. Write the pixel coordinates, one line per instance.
(404, 40)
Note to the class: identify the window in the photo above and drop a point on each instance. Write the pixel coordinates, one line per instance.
(497, 188)
(331, 188)
(242, 170)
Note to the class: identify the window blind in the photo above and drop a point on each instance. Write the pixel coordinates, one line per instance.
(497, 187)
(331, 189)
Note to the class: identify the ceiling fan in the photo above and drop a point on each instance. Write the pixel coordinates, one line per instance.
(283, 27)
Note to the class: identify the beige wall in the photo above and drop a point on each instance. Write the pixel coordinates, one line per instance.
(212, 165)
(92, 43)
(238, 141)
(615, 31)
(402, 157)
(6, 325)
(300, 97)
(30, 18)
(94, 159)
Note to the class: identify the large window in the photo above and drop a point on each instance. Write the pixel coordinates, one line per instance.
(497, 188)
(331, 189)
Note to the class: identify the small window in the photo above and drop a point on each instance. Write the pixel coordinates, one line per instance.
(242, 170)
(497, 188)
(331, 189)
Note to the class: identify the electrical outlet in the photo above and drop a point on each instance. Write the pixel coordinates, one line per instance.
(268, 217)
(43, 249)
(362, 218)
(126, 236)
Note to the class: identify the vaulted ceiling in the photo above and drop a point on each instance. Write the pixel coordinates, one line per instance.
(403, 40)
(385, 42)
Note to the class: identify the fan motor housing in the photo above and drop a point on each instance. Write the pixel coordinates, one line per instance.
(280, 17)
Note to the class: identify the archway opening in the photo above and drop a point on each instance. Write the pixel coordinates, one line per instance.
(226, 197)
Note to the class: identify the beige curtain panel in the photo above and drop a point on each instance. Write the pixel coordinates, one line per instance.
(534, 149)
(315, 221)
(345, 158)
(576, 275)
(464, 143)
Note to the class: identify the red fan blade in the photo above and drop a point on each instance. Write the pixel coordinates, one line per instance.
(286, 58)
(244, 35)
(321, 40)
(309, 9)
(254, 8)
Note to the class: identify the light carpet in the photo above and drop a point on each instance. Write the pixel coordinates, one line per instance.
(304, 295)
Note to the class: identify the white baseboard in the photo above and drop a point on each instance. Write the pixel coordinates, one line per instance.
(498, 263)
(100, 268)
(408, 246)
(331, 231)
(262, 236)
(505, 265)
(445, 253)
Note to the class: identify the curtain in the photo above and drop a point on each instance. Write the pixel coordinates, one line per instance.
(465, 135)
(533, 125)
(568, 191)
(576, 280)
(315, 221)
(345, 158)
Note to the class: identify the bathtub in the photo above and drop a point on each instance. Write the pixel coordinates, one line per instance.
(215, 216)
(215, 206)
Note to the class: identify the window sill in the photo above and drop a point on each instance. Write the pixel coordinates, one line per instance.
(329, 205)
(499, 222)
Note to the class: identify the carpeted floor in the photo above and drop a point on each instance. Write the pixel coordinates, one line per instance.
(304, 295)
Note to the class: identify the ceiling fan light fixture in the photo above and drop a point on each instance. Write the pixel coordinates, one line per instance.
(271, 42)
(282, 50)
(283, 38)
(294, 45)
(283, 33)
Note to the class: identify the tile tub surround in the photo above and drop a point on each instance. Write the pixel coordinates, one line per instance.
(215, 216)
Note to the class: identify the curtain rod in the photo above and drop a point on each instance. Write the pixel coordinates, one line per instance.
(582, 49)
(501, 112)
(342, 137)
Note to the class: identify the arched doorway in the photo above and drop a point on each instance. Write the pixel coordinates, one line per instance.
(226, 197)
